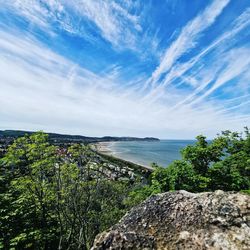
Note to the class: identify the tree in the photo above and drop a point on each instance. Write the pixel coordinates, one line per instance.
(203, 154)
(233, 171)
(27, 170)
(56, 198)
(87, 202)
(222, 163)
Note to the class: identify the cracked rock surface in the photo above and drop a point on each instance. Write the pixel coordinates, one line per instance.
(183, 220)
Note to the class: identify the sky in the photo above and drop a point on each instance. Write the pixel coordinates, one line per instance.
(162, 68)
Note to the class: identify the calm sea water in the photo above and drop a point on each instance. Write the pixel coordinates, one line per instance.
(161, 152)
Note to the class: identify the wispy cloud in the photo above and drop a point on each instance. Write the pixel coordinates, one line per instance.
(54, 91)
(113, 20)
(116, 24)
(83, 101)
(199, 73)
(197, 88)
(220, 59)
(188, 37)
(242, 22)
(236, 62)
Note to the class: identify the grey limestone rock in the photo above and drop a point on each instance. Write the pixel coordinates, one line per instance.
(183, 220)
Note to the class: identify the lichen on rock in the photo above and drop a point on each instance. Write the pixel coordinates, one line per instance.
(183, 220)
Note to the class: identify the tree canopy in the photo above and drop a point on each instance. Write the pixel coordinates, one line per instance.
(52, 198)
(222, 163)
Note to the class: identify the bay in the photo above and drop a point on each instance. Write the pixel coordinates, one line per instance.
(162, 152)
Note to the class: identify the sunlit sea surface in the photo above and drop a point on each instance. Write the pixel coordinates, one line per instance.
(162, 152)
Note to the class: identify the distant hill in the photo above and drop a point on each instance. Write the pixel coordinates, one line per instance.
(62, 138)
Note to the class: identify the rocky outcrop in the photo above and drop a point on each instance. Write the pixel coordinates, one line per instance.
(183, 220)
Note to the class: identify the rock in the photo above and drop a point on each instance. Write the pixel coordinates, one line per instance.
(183, 220)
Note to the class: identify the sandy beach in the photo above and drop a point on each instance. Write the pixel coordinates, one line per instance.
(104, 148)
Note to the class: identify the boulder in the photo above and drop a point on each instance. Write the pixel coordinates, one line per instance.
(183, 220)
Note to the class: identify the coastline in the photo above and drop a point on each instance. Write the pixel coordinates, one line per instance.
(103, 148)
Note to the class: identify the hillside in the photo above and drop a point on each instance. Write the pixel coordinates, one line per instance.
(64, 138)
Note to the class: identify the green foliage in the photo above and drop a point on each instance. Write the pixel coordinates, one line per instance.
(245, 191)
(139, 194)
(27, 197)
(202, 154)
(55, 199)
(223, 163)
(182, 176)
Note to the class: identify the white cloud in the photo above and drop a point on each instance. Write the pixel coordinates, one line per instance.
(199, 72)
(236, 62)
(114, 21)
(42, 90)
(188, 37)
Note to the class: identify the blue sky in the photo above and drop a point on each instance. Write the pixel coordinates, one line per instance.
(165, 68)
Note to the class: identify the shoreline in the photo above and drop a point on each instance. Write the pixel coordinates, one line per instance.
(103, 148)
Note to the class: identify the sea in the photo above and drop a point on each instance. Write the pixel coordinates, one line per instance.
(161, 152)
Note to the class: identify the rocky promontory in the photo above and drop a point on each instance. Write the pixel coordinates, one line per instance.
(183, 220)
